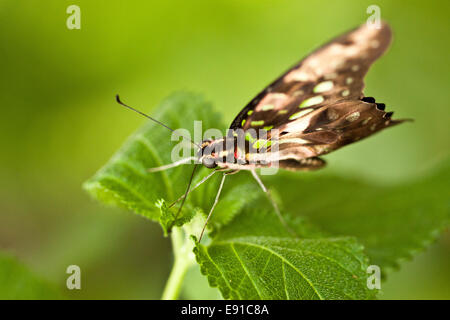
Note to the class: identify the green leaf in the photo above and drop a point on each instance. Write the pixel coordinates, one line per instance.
(254, 257)
(168, 219)
(17, 282)
(125, 182)
(392, 222)
(231, 201)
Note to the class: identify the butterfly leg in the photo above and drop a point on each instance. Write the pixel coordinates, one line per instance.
(215, 202)
(172, 165)
(274, 204)
(201, 182)
(194, 187)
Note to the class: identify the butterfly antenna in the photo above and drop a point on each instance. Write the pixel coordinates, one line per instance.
(185, 195)
(147, 116)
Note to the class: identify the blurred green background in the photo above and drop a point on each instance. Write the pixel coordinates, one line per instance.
(60, 123)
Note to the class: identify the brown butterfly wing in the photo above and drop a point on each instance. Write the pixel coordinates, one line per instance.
(318, 105)
(331, 73)
(330, 128)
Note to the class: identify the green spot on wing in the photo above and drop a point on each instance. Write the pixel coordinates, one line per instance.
(300, 113)
(257, 123)
(323, 86)
(261, 143)
(311, 101)
(249, 137)
(268, 107)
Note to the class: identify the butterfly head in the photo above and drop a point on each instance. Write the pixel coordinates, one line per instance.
(207, 155)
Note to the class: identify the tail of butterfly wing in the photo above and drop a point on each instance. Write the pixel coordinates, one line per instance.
(330, 128)
(349, 122)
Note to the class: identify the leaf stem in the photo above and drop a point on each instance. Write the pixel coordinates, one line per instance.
(182, 249)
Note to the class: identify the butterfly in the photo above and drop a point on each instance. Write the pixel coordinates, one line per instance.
(314, 108)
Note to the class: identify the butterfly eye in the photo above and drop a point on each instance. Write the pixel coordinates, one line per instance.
(209, 162)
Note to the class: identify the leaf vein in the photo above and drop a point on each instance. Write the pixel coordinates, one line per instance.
(287, 262)
(245, 269)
